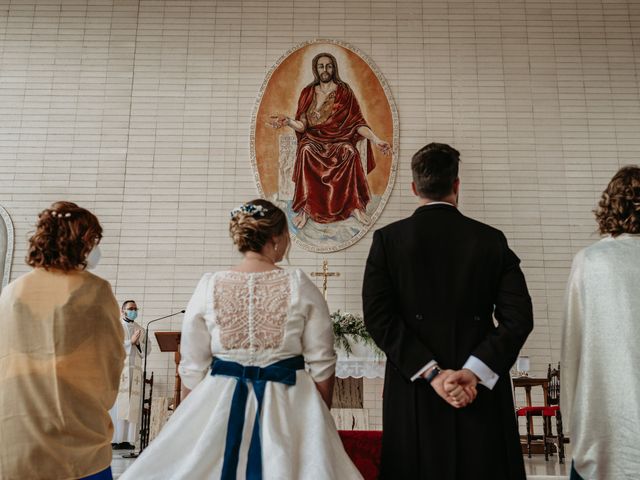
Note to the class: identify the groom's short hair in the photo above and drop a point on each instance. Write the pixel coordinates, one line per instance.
(435, 169)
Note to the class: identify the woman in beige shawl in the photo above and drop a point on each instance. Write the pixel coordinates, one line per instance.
(600, 394)
(61, 355)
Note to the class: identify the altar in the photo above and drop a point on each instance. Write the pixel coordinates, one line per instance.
(360, 423)
(357, 397)
(364, 362)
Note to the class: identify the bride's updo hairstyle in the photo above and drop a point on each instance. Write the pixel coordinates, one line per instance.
(254, 223)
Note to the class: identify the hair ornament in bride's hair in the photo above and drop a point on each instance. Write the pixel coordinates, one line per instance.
(249, 209)
(56, 214)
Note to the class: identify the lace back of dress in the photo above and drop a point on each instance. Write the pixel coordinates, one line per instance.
(251, 309)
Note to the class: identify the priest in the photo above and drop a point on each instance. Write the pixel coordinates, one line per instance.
(126, 412)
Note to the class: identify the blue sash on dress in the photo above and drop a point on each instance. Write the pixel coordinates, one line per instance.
(283, 371)
(103, 475)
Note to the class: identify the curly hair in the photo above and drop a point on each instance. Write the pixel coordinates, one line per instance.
(618, 211)
(65, 234)
(250, 233)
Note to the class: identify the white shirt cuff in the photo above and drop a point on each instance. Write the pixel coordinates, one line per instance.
(487, 377)
(423, 369)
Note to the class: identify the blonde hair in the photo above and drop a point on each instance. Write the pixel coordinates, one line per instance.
(250, 232)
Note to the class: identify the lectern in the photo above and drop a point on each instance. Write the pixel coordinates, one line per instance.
(170, 342)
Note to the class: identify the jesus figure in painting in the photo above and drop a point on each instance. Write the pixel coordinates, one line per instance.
(330, 181)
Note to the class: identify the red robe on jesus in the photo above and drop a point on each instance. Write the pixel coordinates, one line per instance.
(330, 182)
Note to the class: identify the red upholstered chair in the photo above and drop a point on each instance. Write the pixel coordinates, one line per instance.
(553, 410)
(549, 410)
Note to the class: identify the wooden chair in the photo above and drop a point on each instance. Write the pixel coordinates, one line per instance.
(146, 414)
(553, 410)
(529, 412)
(547, 411)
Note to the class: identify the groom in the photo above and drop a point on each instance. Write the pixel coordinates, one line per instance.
(433, 285)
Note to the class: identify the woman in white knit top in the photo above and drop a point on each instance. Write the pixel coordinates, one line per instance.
(600, 393)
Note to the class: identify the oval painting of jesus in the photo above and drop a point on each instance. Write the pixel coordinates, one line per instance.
(324, 142)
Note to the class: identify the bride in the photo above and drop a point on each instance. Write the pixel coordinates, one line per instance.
(258, 361)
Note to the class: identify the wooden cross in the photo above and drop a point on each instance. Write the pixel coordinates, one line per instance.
(325, 274)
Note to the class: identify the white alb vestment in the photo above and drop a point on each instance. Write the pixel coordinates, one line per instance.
(600, 368)
(126, 412)
(255, 319)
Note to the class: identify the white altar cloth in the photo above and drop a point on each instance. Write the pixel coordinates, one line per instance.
(362, 362)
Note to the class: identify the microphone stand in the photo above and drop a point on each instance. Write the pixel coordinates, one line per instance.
(144, 384)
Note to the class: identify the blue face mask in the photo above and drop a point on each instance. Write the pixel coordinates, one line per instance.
(131, 314)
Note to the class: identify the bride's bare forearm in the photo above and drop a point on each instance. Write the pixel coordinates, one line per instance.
(325, 388)
(184, 391)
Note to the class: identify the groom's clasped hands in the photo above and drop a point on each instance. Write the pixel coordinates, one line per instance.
(456, 387)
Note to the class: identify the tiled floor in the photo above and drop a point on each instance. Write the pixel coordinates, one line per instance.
(539, 469)
(536, 467)
(119, 464)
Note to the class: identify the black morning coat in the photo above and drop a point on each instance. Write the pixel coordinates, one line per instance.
(433, 284)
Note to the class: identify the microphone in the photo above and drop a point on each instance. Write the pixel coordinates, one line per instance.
(146, 344)
(144, 370)
(166, 316)
(143, 437)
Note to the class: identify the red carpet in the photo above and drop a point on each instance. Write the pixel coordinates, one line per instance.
(363, 448)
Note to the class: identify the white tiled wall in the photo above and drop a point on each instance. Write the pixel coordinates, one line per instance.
(140, 110)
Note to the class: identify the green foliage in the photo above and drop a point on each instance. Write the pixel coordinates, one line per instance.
(353, 325)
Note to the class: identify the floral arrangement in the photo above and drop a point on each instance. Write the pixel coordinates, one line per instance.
(348, 327)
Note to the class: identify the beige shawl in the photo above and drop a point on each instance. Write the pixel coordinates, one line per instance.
(61, 356)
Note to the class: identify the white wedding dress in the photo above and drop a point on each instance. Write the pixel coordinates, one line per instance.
(254, 319)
